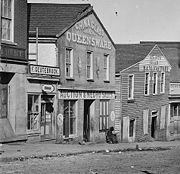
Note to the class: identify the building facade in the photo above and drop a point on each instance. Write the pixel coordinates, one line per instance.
(13, 69)
(83, 107)
(143, 88)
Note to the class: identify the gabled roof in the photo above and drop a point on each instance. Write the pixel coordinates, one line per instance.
(60, 16)
(171, 51)
(129, 54)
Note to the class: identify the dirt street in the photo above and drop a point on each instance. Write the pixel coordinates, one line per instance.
(138, 162)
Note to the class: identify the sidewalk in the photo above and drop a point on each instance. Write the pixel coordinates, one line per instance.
(22, 151)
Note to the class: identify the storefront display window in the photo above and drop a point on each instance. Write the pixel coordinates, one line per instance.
(104, 115)
(33, 112)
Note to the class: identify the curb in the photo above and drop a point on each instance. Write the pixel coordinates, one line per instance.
(58, 155)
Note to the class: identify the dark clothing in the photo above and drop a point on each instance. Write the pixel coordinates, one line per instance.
(110, 136)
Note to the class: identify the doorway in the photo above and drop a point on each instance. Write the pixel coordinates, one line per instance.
(47, 113)
(154, 127)
(86, 123)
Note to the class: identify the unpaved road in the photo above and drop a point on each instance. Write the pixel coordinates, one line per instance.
(155, 162)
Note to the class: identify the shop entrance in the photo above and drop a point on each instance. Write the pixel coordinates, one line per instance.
(154, 127)
(86, 124)
(47, 114)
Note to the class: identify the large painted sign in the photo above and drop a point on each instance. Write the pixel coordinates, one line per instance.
(88, 32)
(155, 61)
(174, 89)
(67, 94)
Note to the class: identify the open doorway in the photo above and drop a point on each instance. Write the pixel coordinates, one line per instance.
(86, 123)
(154, 127)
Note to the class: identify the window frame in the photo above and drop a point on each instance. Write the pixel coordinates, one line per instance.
(69, 64)
(131, 88)
(162, 82)
(75, 102)
(147, 83)
(10, 35)
(103, 115)
(89, 66)
(38, 113)
(155, 83)
(106, 67)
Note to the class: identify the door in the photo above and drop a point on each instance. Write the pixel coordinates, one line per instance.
(47, 113)
(154, 127)
(86, 124)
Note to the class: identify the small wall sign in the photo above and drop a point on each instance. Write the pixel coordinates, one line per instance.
(48, 88)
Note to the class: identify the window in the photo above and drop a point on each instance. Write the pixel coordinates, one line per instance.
(33, 112)
(3, 101)
(131, 128)
(69, 121)
(131, 87)
(175, 109)
(154, 83)
(69, 63)
(6, 20)
(47, 54)
(104, 115)
(162, 83)
(146, 83)
(89, 66)
(106, 67)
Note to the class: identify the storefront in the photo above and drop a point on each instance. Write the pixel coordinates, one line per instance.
(174, 114)
(86, 114)
(42, 85)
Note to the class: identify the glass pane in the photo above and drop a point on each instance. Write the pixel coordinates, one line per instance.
(29, 103)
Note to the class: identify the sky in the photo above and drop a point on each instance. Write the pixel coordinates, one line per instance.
(132, 21)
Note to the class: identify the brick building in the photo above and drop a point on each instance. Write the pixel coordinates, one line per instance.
(13, 69)
(83, 95)
(142, 90)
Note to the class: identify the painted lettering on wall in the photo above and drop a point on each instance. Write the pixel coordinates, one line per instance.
(64, 94)
(89, 24)
(174, 88)
(154, 63)
(86, 40)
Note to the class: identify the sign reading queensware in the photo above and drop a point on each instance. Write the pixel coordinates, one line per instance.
(88, 32)
(44, 70)
(63, 94)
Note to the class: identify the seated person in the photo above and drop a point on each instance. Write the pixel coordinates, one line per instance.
(111, 136)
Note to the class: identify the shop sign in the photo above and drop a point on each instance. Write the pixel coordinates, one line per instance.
(112, 116)
(174, 88)
(12, 52)
(85, 95)
(88, 32)
(44, 70)
(48, 88)
(154, 63)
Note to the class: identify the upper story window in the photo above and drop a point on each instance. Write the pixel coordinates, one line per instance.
(155, 83)
(131, 87)
(69, 63)
(106, 67)
(89, 65)
(43, 54)
(146, 83)
(162, 83)
(7, 20)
